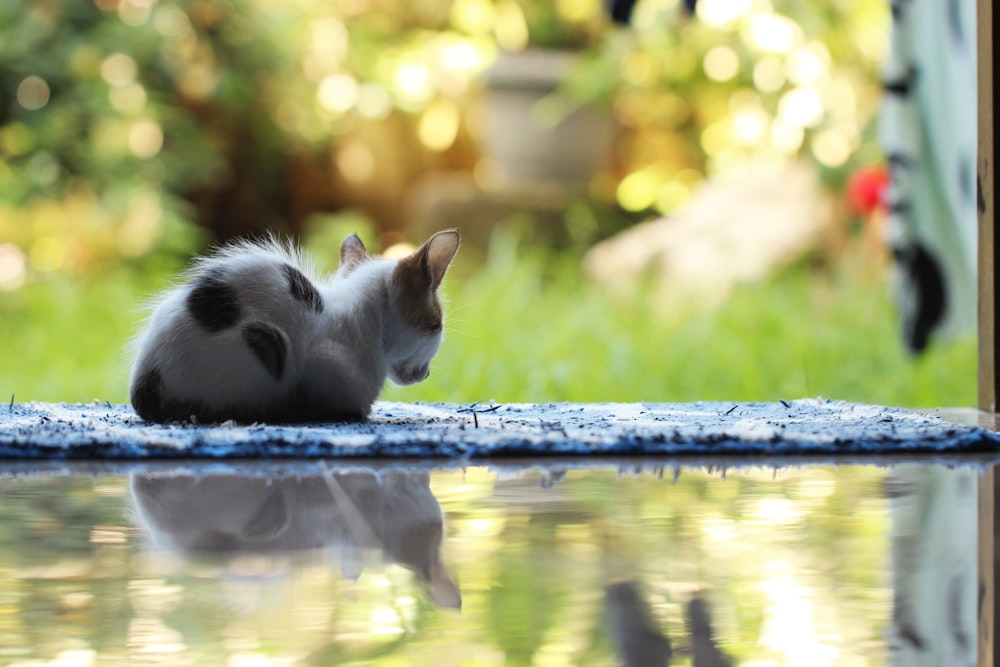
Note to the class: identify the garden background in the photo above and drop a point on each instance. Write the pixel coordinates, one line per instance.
(134, 133)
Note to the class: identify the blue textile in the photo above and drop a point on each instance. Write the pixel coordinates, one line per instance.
(46, 431)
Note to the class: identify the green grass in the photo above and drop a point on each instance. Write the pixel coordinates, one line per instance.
(64, 339)
(531, 328)
(526, 326)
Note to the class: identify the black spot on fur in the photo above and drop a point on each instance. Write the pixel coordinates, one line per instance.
(302, 288)
(268, 344)
(147, 396)
(150, 401)
(213, 302)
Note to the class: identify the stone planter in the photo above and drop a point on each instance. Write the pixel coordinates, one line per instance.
(530, 135)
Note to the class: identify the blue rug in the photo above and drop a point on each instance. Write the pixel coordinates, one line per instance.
(456, 432)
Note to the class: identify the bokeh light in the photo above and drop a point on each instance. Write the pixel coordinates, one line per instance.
(145, 139)
(773, 33)
(802, 107)
(750, 126)
(438, 125)
(134, 13)
(338, 93)
(473, 16)
(413, 84)
(639, 190)
(807, 64)
(786, 138)
(462, 56)
(831, 148)
(33, 93)
(119, 69)
(721, 63)
(373, 101)
(330, 40)
(356, 162)
(13, 267)
(171, 22)
(769, 74)
(722, 13)
(128, 99)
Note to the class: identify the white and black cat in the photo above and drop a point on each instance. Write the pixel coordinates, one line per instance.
(252, 336)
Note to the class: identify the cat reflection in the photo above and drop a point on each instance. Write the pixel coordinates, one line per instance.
(394, 512)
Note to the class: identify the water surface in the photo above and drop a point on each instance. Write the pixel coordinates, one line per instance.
(321, 565)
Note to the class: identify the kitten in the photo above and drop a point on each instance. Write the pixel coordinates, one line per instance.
(250, 336)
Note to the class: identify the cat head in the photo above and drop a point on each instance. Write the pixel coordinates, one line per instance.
(416, 322)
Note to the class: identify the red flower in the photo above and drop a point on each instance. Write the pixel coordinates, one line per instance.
(866, 190)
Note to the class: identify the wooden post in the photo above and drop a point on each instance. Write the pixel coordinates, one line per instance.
(989, 376)
(985, 189)
(986, 600)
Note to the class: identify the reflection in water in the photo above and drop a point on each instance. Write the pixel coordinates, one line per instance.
(706, 653)
(395, 513)
(934, 566)
(557, 568)
(638, 642)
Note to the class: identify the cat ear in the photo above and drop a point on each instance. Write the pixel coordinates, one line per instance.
(442, 590)
(439, 250)
(352, 253)
(425, 268)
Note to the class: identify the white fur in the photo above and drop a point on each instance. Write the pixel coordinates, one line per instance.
(335, 362)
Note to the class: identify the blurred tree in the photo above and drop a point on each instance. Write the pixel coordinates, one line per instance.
(122, 120)
(123, 99)
(241, 116)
